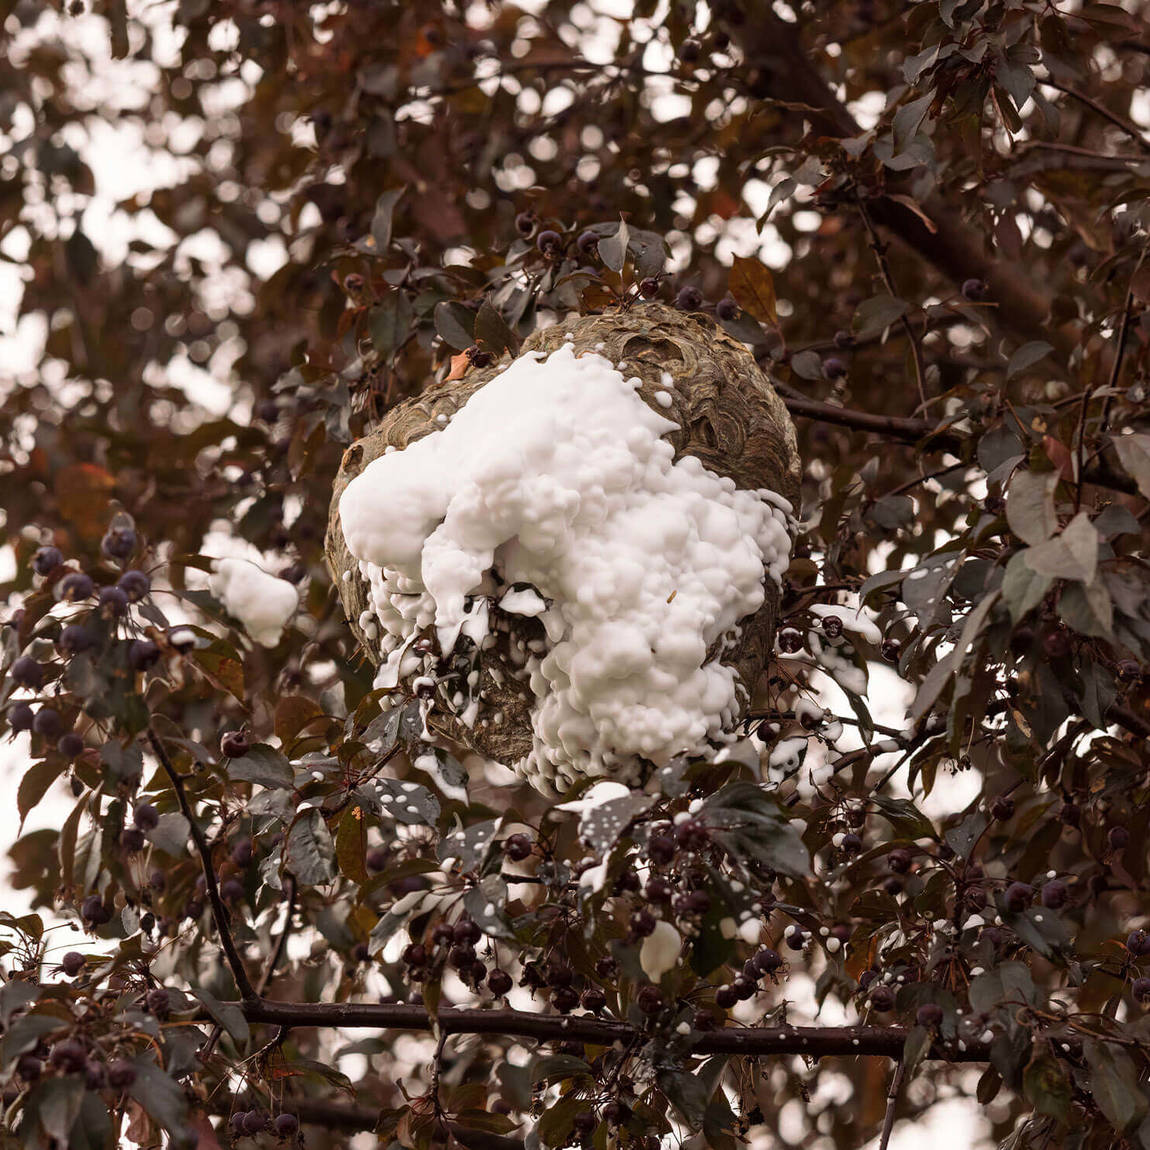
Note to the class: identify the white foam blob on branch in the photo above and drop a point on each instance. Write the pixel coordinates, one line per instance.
(261, 602)
(555, 475)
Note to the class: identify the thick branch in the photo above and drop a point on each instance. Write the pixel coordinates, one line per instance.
(811, 1041)
(219, 912)
(775, 48)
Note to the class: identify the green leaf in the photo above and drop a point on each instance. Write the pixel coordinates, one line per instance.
(381, 220)
(1114, 1084)
(1026, 355)
(309, 851)
(263, 765)
(1134, 454)
(1030, 505)
(1070, 555)
(227, 1014)
(613, 248)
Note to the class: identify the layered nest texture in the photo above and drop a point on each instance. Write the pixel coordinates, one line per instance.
(578, 574)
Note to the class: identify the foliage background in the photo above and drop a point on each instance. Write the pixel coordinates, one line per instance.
(951, 199)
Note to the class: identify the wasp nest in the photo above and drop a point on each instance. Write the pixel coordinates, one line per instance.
(574, 557)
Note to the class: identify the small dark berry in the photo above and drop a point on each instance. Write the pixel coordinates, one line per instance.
(1002, 808)
(360, 952)
(1128, 671)
(726, 997)
(29, 1067)
(1018, 896)
(584, 1122)
(658, 889)
(661, 848)
(588, 243)
(627, 883)
(27, 672)
(833, 368)
(134, 584)
(461, 956)
(159, 1002)
(650, 999)
(726, 309)
(231, 890)
(851, 843)
(1138, 943)
(892, 886)
(973, 290)
(690, 50)
(113, 602)
(881, 999)
(132, 840)
(466, 932)
(692, 835)
(559, 975)
(1054, 894)
(1056, 644)
(376, 860)
(499, 982)
(415, 954)
(866, 978)
(158, 880)
(72, 963)
(517, 847)
(565, 999)
(929, 1014)
(119, 542)
(255, 1121)
(844, 339)
(744, 988)
(607, 967)
(95, 1076)
(47, 722)
(689, 298)
(69, 1055)
(73, 639)
(550, 243)
(143, 654)
(795, 938)
(1118, 837)
(899, 860)
(75, 587)
(593, 999)
(832, 626)
(1140, 989)
(525, 224)
(234, 745)
(243, 852)
(649, 287)
(643, 922)
(286, 1125)
(146, 817)
(46, 560)
(890, 650)
(767, 960)
(20, 718)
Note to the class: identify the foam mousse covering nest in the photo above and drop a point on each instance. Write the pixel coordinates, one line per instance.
(725, 414)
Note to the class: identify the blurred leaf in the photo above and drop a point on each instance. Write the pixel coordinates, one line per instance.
(381, 221)
(613, 248)
(227, 1014)
(1134, 453)
(753, 289)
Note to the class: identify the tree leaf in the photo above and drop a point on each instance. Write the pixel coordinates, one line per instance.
(381, 220)
(1071, 555)
(227, 1014)
(1022, 587)
(34, 784)
(455, 324)
(389, 323)
(1027, 355)
(1030, 505)
(753, 288)
(351, 844)
(309, 852)
(492, 331)
(170, 834)
(263, 765)
(1114, 1084)
(873, 316)
(57, 1103)
(1134, 453)
(613, 248)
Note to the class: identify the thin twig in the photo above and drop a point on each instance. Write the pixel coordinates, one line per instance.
(1118, 121)
(1123, 332)
(891, 1103)
(879, 250)
(219, 913)
(281, 944)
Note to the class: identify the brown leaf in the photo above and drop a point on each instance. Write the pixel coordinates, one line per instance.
(83, 491)
(753, 289)
(459, 365)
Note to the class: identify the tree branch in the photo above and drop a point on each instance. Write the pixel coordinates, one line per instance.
(774, 46)
(810, 1041)
(219, 912)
